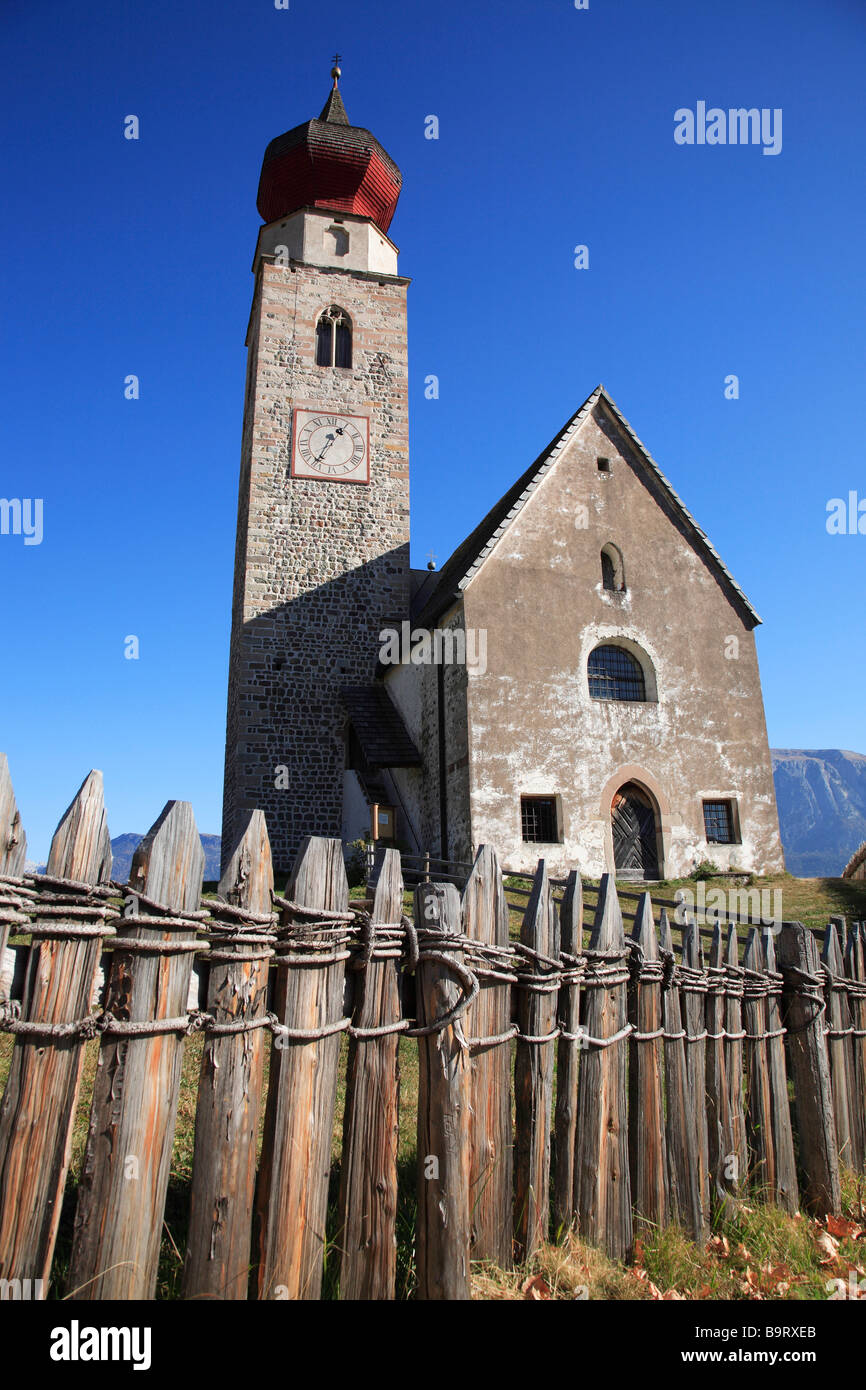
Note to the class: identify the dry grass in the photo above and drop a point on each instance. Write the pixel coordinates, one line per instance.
(759, 1254)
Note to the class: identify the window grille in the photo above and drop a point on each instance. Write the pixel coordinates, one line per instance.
(614, 674)
(719, 822)
(538, 819)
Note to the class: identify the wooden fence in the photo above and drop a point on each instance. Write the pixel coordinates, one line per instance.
(670, 1065)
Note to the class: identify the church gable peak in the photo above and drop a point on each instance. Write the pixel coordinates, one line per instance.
(469, 557)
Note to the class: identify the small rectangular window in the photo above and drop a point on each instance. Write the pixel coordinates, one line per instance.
(720, 822)
(538, 820)
(603, 465)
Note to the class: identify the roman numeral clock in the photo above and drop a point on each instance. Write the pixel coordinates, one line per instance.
(336, 447)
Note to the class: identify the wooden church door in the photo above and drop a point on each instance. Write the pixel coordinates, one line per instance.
(633, 821)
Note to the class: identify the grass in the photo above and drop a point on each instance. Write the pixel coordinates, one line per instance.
(759, 1252)
(808, 900)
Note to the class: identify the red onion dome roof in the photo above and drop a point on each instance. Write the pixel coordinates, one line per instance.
(329, 163)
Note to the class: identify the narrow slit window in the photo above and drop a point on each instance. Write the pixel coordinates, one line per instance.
(612, 569)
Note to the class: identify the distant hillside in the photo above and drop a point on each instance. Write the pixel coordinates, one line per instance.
(123, 847)
(821, 795)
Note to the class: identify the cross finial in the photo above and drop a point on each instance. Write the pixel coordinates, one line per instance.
(431, 560)
(336, 70)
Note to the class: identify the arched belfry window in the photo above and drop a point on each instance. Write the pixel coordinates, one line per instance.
(612, 569)
(614, 674)
(334, 338)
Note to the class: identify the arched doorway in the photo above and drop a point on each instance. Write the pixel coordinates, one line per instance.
(634, 826)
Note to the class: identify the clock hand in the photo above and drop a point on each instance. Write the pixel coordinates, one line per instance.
(331, 440)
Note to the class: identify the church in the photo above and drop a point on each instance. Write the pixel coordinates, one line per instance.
(579, 682)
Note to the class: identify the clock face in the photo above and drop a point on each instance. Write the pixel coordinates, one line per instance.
(336, 447)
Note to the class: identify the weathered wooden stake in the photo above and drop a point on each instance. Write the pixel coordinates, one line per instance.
(13, 850)
(230, 1083)
(734, 1051)
(693, 992)
(838, 1018)
(602, 1184)
(292, 1193)
(681, 1136)
(533, 1067)
(723, 1167)
(759, 1111)
(13, 841)
(567, 1060)
(855, 969)
(368, 1171)
(646, 1119)
(118, 1223)
(485, 919)
(804, 1018)
(38, 1107)
(786, 1192)
(444, 1099)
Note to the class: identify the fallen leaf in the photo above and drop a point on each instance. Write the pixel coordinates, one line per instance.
(844, 1229)
(673, 1296)
(638, 1257)
(751, 1292)
(535, 1288)
(720, 1245)
(828, 1247)
(644, 1278)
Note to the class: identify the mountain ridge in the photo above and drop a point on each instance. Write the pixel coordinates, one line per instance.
(123, 847)
(821, 797)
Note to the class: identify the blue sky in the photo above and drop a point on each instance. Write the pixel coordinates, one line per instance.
(556, 129)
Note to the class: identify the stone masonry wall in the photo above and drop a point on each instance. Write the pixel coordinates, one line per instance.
(321, 566)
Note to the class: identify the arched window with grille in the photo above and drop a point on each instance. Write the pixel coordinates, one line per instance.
(612, 569)
(614, 674)
(334, 338)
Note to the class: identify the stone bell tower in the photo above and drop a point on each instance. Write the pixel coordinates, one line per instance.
(322, 558)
